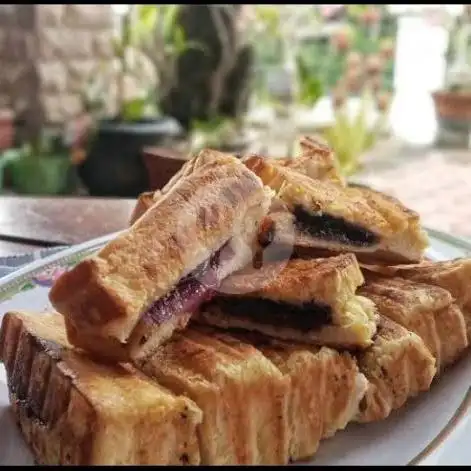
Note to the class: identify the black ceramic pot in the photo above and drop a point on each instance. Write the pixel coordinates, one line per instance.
(114, 165)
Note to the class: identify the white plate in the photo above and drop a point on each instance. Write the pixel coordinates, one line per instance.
(433, 429)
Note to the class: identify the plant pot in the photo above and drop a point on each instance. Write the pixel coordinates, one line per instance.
(162, 164)
(453, 112)
(114, 164)
(46, 175)
(453, 105)
(7, 129)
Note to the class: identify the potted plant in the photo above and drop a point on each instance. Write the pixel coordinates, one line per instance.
(453, 102)
(113, 165)
(214, 78)
(39, 167)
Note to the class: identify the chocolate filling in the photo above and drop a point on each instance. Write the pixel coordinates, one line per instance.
(333, 228)
(192, 290)
(308, 316)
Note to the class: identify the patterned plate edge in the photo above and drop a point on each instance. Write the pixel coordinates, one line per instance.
(13, 282)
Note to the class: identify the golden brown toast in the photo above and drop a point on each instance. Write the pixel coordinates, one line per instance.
(398, 366)
(310, 301)
(321, 215)
(73, 411)
(326, 388)
(316, 160)
(104, 298)
(144, 202)
(243, 396)
(206, 158)
(452, 275)
(427, 310)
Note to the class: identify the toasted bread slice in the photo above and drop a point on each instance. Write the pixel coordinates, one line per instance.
(326, 388)
(243, 396)
(424, 309)
(73, 411)
(204, 158)
(452, 275)
(398, 366)
(325, 216)
(109, 299)
(311, 301)
(316, 160)
(144, 202)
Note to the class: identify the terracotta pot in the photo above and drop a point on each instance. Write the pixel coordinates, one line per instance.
(453, 105)
(162, 164)
(7, 129)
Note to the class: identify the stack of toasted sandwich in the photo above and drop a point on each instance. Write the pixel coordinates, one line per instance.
(253, 308)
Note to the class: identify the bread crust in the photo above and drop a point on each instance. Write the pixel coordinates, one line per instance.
(451, 275)
(73, 411)
(103, 297)
(427, 310)
(398, 366)
(326, 388)
(316, 160)
(243, 396)
(204, 157)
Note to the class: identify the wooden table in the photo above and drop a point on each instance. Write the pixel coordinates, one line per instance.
(30, 223)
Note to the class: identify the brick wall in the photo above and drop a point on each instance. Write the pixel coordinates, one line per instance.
(47, 53)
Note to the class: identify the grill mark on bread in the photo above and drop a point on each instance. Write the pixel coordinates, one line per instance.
(70, 422)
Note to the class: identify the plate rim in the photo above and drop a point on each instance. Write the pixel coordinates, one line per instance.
(22, 274)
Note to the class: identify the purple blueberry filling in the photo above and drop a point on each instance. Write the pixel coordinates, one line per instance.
(191, 291)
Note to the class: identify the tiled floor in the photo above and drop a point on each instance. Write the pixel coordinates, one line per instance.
(436, 185)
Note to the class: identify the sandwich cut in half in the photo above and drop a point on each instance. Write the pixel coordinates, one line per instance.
(398, 366)
(132, 294)
(451, 275)
(74, 411)
(427, 310)
(318, 217)
(325, 391)
(312, 301)
(243, 396)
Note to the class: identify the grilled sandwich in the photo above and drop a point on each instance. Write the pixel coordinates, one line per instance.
(452, 275)
(323, 217)
(243, 396)
(312, 301)
(427, 310)
(326, 388)
(398, 366)
(316, 160)
(137, 290)
(74, 411)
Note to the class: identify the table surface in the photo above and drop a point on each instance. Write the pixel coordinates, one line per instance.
(29, 223)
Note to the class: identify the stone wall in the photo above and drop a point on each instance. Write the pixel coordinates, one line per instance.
(47, 53)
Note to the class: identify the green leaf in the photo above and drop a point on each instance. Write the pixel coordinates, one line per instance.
(134, 109)
(146, 18)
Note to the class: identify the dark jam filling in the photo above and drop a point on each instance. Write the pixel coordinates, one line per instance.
(308, 316)
(333, 228)
(194, 289)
